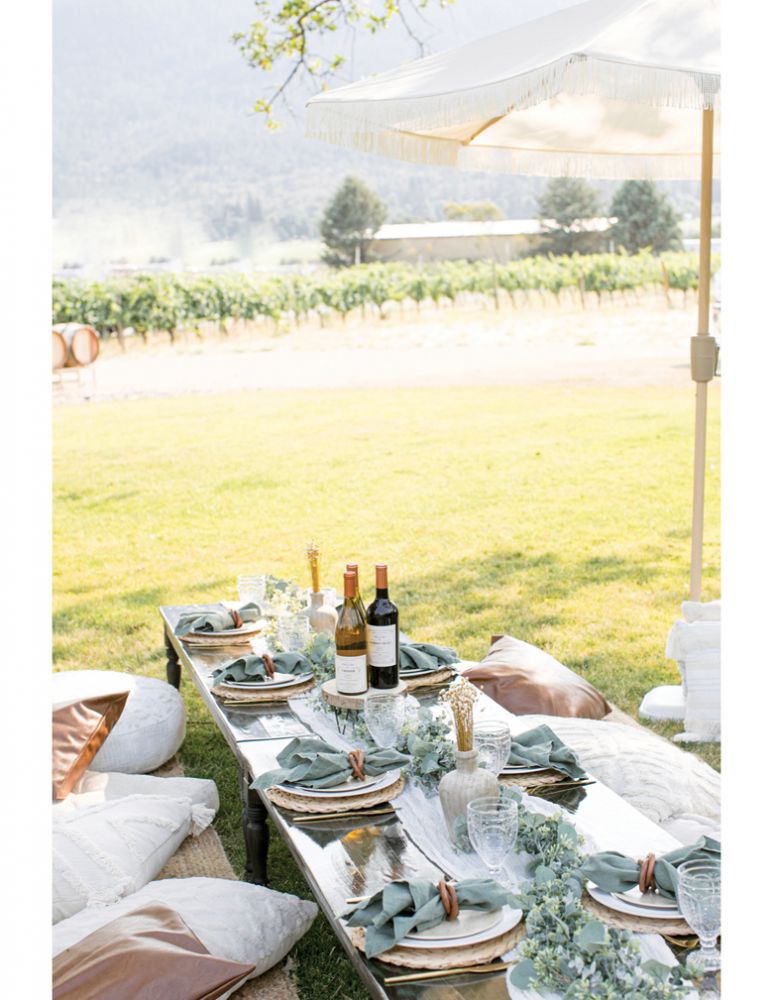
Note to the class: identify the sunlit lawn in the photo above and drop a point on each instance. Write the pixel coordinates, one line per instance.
(558, 515)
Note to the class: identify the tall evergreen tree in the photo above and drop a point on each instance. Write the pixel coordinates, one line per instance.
(645, 218)
(565, 204)
(349, 222)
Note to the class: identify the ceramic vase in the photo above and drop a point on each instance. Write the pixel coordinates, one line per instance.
(460, 786)
(322, 617)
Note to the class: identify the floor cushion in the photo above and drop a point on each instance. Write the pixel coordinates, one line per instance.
(526, 680)
(108, 851)
(78, 730)
(96, 787)
(651, 774)
(234, 920)
(151, 728)
(150, 952)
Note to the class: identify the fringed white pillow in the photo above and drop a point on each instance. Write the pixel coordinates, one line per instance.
(108, 851)
(234, 920)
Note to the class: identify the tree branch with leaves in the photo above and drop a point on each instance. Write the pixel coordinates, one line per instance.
(290, 37)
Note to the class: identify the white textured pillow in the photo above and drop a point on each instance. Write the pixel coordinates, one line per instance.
(655, 777)
(151, 727)
(108, 851)
(234, 920)
(96, 787)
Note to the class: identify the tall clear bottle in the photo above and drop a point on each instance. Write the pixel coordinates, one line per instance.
(383, 635)
(351, 661)
(354, 568)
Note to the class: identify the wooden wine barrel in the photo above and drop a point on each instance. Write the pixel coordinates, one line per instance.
(82, 344)
(58, 351)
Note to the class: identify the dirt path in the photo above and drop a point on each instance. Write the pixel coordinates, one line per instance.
(625, 345)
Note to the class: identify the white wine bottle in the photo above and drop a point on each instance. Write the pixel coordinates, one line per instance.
(354, 568)
(351, 643)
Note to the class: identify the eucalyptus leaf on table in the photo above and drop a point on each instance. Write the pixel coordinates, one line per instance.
(220, 620)
(415, 905)
(310, 762)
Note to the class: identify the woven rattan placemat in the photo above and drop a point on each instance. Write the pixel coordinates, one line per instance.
(321, 804)
(254, 696)
(445, 958)
(428, 680)
(630, 922)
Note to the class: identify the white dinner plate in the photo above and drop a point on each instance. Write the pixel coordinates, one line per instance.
(421, 672)
(508, 918)
(468, 922)
(348, 788)
(278, 680)
(647, 900)
(613, 902)
(523, 769)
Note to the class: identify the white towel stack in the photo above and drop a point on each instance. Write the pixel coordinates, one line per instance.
(695, 645)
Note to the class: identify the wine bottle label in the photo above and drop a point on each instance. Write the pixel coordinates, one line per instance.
(351, 674)
(382, 645)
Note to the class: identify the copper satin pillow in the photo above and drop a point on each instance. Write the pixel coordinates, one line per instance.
(150, 952)
(528, 681)
(79, 730)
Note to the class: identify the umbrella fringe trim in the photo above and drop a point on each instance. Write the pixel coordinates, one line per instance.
(390, 126)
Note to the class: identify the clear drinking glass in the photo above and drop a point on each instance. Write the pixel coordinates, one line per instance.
(293, 632)
(384, 716)
(492, 826)
(251, 588)
(699, 895)
(492, 741)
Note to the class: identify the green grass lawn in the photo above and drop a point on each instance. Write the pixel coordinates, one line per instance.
(558, 515)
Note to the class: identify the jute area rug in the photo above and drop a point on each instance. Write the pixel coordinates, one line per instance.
(203, 856)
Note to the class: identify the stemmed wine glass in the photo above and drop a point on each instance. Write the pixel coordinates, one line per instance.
(492, 826)
(492, 741)
(384, 716)
(699, 895)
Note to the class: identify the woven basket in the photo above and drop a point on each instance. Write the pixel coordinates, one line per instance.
(627, 921)
(253, 696)
(344, 803)
(445, 958)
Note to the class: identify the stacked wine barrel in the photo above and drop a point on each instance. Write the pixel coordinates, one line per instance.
(74, 345)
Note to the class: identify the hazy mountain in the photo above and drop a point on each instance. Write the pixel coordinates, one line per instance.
(156, 148)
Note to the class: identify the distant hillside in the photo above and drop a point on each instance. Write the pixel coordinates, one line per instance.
(156, 150)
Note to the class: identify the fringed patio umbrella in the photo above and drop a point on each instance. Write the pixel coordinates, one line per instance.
(604, 88)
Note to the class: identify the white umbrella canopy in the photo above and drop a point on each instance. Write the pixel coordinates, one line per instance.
(602, 88)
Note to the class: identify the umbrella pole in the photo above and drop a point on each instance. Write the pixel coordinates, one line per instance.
(703, 355)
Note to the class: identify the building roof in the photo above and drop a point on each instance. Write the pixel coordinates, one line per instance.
(455, 229)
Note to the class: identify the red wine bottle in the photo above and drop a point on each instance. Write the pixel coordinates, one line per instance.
(383, 633)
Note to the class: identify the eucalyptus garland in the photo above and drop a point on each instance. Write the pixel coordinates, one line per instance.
(566, 950)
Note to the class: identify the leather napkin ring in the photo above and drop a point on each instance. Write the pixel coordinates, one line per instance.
(237, 618)
(356, 760)
(269, 665)
(449, 899)
(647, 873)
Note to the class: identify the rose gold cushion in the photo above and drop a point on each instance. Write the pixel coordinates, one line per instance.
(149, 953)
(528, 681)
(79, 730)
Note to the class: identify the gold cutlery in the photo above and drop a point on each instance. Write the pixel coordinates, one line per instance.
(308, 818)
(477, 970)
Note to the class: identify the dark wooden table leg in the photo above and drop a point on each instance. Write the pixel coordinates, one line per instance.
(172, 662)
(255, 827)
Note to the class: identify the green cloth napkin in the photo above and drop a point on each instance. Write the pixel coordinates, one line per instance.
(425, 656)
(215, 621)
(403, 906)
(310, 762)
(614, 872)
(252, 667)
(540, 747)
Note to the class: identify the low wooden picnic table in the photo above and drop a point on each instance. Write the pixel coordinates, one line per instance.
(344, 858)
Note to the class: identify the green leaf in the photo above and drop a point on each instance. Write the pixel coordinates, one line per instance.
(592, 936)
(523, 973)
